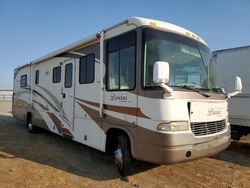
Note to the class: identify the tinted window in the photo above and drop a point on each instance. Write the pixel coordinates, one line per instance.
(121, 62)
(68, 76)
(23, 82)
(113, 70)
(56, 74)
(87, 69)
(37, 77)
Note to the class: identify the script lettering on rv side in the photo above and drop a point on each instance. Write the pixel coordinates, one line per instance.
(123, 97)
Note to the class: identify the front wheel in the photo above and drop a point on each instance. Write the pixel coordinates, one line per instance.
(122, 155)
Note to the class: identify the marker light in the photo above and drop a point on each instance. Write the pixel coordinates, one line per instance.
(153, 24)
(173, 126)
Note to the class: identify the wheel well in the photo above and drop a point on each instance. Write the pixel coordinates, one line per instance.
(112, 135)
(28, 116)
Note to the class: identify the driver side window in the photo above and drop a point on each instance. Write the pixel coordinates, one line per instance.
(121, 62)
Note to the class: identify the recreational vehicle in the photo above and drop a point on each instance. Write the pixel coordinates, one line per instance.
(232, 62)
(144, 89)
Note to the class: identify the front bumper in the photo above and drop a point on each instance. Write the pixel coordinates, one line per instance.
(170, 153)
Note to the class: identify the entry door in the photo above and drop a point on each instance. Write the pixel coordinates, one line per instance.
(68, 92)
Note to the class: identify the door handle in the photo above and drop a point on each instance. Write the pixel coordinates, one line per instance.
(63, 95)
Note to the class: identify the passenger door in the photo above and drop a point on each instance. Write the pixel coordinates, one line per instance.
(68, 92)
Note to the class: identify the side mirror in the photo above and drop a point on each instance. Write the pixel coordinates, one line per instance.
(161, 76)
(161, 72)
(238, 84)
(238, 87)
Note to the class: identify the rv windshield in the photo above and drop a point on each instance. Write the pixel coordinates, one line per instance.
(190, 62)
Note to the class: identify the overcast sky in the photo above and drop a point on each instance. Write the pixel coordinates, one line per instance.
(30, 29)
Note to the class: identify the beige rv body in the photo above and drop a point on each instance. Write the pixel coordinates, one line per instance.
(86, 112)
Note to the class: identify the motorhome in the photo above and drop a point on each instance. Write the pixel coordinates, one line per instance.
(230, 63)
(143, 88)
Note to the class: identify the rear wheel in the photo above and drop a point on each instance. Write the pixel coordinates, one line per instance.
(122, 155)
(30, 126)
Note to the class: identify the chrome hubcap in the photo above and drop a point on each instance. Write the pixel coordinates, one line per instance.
(30, 126)
(119, 157)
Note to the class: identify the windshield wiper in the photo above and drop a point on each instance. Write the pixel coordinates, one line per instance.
(216, 89)
(196, 90)
(219, 90)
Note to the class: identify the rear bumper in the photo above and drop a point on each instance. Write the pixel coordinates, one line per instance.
(160, 154)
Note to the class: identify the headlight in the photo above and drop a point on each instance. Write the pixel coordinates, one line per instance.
(173, 126)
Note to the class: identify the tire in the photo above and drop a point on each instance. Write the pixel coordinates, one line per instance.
(235, 134)
(122, 156)
(31, 128)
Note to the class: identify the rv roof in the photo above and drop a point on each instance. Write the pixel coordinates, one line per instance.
(166, 26)
(137, 21)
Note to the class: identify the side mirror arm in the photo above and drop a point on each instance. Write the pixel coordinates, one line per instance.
(166, 88)
(229, 95)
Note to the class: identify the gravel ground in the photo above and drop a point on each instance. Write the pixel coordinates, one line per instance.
(48, 160)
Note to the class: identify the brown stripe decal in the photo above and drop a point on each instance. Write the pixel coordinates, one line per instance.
(43, 107)
(89, 102)
(57, 123)
(92, 113)
(46, 109)
(133, 111)
(37, 93)
(56, 108)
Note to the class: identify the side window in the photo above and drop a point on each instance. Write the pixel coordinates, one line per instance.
(23, 82)
(56, 74)
(121, 62)
(68, 76)
(87, 69)
(37, 77)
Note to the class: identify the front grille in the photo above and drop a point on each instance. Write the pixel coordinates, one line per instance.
(206, 128)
